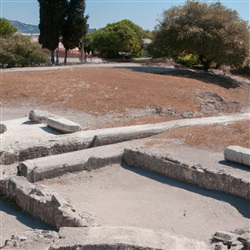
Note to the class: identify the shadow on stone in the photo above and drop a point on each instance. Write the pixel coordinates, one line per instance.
(235, 165)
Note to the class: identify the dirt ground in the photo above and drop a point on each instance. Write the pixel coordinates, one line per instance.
(99, 97)
(121, 96)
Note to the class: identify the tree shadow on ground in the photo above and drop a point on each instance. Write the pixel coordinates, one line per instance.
(242, 205)
(207, 77)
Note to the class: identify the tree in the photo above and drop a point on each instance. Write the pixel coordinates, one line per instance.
(74, 25)
(6, 29)
(52, 14)
(123, 36)
(211, 31)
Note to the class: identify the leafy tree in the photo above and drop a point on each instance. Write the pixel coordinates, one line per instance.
(123, 36)
(6, 29)
(19, 51)
(52, 15)
(211, 31)
(74, 25)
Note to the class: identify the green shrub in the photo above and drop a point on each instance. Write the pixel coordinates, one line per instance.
(19, 51)
(188, 59)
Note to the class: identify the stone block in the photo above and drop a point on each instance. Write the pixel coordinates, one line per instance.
(237, 154)
(3, 128)
(63, 125)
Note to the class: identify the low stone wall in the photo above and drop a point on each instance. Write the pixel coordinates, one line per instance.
(92, 138)
(53, 166)
(204, 178)
(43, 203)
(66, 143)
(44, 148)
(103, 247)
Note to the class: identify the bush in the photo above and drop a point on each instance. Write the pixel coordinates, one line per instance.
(188, 60)
(19, 51)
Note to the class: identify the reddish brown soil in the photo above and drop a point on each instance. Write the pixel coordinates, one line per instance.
(107, 90)
(213, 137)
(124, 92)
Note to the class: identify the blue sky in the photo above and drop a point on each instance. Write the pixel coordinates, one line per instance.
(142, 12)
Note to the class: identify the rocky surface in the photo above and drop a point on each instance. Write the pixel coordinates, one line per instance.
(231, 240)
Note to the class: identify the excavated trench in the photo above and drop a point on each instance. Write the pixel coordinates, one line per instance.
(44, 203)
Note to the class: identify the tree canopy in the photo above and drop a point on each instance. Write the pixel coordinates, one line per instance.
(74, 25)
(61, 20)
(211, 31)
(51, 19)
(123, 36)
(6, 29)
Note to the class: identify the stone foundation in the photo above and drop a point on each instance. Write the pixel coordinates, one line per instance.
(43, 203)
(204, 178)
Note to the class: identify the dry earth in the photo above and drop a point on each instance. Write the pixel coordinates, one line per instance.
(108, 97)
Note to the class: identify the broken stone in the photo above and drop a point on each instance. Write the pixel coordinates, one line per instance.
(3, 128)
(245, 240)
(63, 125)
(40, 116)
(225, 236)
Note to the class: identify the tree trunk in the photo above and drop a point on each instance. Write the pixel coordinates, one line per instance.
(65, 56)
(52, 57)
(57, 56)
(205, 62)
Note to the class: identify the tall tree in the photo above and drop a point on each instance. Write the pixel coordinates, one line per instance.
(52, 14)
(211, 31)
(74, 26)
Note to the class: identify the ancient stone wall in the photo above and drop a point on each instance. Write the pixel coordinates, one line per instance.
(43, 203)
(204, 178)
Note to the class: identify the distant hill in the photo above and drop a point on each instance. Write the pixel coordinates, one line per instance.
(25, 28)
(30, 28)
